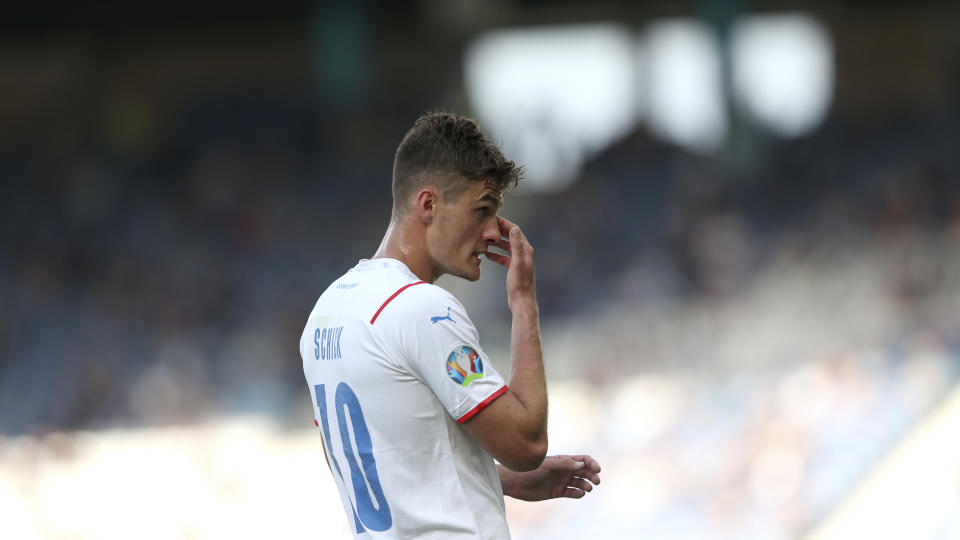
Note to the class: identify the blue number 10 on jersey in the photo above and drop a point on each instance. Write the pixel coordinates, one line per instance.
(376, 518)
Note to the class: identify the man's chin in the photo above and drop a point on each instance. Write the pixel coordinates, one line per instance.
(472, 274)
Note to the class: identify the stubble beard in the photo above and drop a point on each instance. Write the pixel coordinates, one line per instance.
(473, 276)
(462, 273)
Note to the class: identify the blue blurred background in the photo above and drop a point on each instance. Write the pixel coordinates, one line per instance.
(746, 216)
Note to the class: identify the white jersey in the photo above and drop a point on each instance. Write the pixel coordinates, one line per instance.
(393, 364)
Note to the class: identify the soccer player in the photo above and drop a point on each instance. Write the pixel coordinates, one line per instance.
(411, 411)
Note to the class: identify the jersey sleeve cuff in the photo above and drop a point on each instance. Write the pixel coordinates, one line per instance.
(469, 414)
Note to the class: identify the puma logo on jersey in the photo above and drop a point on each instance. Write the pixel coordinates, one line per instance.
(447, 317)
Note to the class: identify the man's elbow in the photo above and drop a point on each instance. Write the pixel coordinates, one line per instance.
(529, 457)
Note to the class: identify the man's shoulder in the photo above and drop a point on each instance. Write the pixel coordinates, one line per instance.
(421, 296)
(421, 301)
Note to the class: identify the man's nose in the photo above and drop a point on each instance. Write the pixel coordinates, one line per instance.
(491, 234)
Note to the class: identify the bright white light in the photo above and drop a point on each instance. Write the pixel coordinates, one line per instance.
(783, 70)
(553, 96)
(912, 491)
(659, 399)
(686, 94)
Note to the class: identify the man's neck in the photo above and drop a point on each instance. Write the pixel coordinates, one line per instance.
(406, 246)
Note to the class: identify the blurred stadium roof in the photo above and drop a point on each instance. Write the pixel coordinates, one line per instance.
(123, 17)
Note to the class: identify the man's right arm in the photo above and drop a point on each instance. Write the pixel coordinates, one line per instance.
(513, 428)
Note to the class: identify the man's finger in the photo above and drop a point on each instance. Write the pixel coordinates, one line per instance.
(586, 475)
(564, 463)
(516, 241)
(558, 463)
(573, 493)
(580, 483)
(590, 469)
(502, 260)
(505, 225)
(591, 463)
(502, 244)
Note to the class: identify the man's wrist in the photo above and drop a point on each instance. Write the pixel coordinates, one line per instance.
(526, 303)
(506, 480)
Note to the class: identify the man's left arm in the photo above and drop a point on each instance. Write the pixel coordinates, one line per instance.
(557, 476)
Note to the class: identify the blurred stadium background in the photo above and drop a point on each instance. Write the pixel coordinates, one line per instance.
(746, 215)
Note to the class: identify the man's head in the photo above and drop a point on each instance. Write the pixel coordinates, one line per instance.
(451, 153)
(449, 178)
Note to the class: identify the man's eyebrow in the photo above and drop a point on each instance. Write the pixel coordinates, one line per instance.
(497, 201)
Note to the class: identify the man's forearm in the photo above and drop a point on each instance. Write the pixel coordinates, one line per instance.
(527, 380)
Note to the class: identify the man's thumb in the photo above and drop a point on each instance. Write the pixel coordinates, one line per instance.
(574, 465)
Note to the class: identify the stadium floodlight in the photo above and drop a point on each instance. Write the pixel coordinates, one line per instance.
(686, 91)
(783, 70)
(553, 96)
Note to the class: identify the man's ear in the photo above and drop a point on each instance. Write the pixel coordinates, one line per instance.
(426, 204)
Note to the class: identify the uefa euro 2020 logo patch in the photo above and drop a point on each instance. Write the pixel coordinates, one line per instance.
(464, 365)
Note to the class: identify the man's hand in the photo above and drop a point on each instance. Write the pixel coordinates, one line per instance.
(518, 262)
(558, 476)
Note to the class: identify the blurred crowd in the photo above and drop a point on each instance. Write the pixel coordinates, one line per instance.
(167, 283)
(155, 286)
(752, 455)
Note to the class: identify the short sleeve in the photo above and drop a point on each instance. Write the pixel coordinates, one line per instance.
(446, 355)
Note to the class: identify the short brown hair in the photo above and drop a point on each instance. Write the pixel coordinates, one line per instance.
(450, 149)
